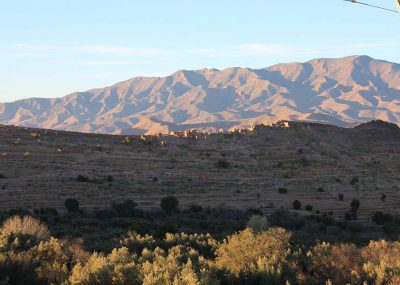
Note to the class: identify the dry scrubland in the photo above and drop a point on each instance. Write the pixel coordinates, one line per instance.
(314, 163)
(224, 183)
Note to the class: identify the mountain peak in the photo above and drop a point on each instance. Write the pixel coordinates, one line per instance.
(343, 91)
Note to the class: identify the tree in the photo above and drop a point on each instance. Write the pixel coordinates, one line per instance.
(169, 204)
(72, 205)
(297, 205)
(355, 205)
(341, 197)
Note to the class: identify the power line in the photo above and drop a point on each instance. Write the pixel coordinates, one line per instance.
(373, 6)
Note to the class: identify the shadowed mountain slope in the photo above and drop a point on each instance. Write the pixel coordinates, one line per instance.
(341, 91)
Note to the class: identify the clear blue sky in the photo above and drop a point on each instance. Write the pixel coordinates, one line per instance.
(52, 48)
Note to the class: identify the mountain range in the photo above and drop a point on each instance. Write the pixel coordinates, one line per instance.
(343, 92)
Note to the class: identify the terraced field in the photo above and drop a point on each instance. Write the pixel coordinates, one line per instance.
(314, 163)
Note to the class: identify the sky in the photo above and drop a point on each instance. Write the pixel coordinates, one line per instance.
(53, 48)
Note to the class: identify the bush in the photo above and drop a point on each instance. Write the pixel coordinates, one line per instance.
(380, 218)
(341, 197)
(72, 205)
(339, 263)
(118, 268)
(19, 212)
(297, 205)
(286, 219)
(26, 225)
(321, 189)
(390, 228)
(54, 259)
(82, 178)
(282, 190)
(351, 215)
(196, 208)
(305, 162)
(355, 205)
(354, 180)
(104, 214)
(222, 164)
(47, 211)
(383, 197)
(308, 208)
(125, 209)
(247, 253)
(258, 223)
(169, 204)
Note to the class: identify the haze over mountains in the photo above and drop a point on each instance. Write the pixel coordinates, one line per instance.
(342, 92)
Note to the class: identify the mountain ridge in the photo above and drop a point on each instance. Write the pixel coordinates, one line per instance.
(343, 92)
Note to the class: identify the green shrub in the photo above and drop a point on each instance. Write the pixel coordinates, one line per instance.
(350, 215)
(47, 211)
(169, 204)
(308, 208)
(355, 205)
(125, 209)
(72, 205)
(286, 219)
(296, 205)
(282, 190)
(258, 223)
(391, 227)
(354, 180)
(103, 214)
(222, 164)
(196, 208)
(81, 178)
(380, 218)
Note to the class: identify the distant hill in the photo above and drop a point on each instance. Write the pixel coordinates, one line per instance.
(342, 92)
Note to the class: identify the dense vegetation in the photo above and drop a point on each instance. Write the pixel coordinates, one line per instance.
(123, 245)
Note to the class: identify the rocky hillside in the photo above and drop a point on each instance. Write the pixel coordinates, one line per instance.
(313, 163)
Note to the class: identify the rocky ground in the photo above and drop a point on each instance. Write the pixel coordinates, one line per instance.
(315, 164)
